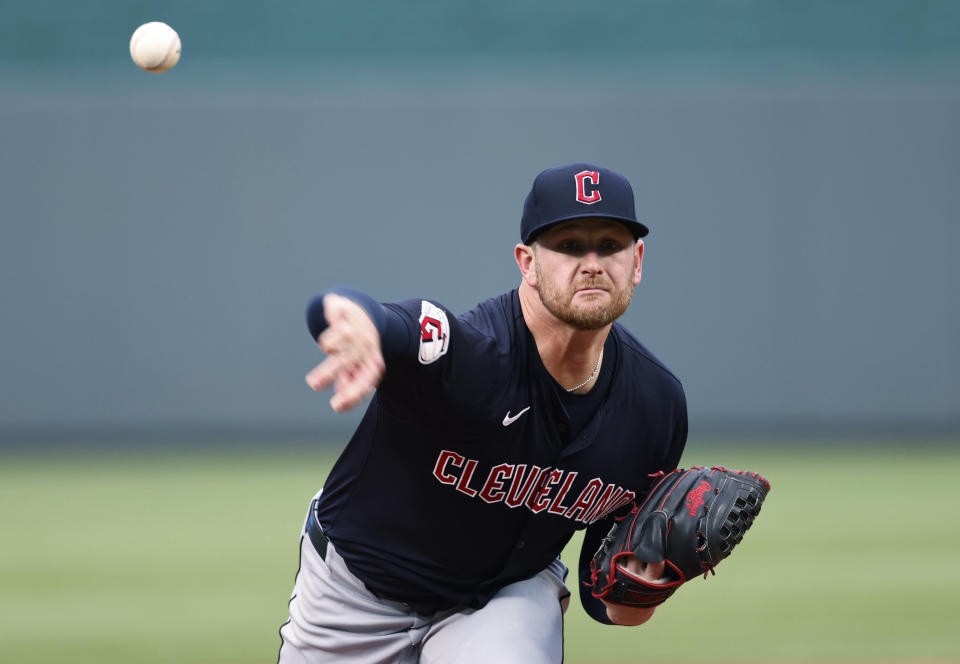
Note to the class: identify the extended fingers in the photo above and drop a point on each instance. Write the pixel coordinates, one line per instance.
(353, 353)
(348, 396)
(351, 387)
(323, 375)
(351, 382)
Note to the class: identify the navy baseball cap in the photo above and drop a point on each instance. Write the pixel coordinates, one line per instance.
(576, 191)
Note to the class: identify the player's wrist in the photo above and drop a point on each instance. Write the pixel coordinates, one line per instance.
(316, 318)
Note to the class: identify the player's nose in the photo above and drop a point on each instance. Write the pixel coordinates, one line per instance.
(590, 264)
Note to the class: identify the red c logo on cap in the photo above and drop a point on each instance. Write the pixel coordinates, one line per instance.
(588, 180)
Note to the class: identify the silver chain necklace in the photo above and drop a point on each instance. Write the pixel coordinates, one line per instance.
(591, 377)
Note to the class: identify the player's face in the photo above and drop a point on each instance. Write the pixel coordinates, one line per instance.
(586, 271)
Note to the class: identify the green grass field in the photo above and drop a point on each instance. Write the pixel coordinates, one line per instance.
(189, 556)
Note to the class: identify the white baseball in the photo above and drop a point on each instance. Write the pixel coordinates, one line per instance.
(155, 47)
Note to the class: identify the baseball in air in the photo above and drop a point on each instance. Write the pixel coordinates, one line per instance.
(155, 47)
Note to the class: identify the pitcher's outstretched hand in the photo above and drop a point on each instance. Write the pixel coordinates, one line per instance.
(354, 363)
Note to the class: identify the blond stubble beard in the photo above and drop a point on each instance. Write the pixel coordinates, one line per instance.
(559, 303)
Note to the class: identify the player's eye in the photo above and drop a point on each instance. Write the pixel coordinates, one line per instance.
(608, 247)
(570, 246)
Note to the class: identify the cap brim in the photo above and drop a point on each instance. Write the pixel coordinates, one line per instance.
(638, 229)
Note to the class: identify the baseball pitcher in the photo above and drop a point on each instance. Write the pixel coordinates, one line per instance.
(491, 437)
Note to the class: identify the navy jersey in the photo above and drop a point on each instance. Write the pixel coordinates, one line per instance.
(467, 472)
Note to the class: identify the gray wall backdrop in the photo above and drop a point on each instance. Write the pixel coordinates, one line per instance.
(797, 163)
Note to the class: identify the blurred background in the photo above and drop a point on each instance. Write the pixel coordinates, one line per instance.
(160, 236)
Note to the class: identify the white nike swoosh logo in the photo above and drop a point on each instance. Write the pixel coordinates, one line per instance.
(510, 419)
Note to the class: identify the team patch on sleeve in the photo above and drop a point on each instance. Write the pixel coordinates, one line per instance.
(434, 333)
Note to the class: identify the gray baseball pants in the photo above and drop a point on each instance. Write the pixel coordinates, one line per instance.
(334, 618)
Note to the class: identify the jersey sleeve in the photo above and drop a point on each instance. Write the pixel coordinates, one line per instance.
(441, 358)
(591, 543)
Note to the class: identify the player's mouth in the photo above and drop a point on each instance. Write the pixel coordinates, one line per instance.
(591, 289)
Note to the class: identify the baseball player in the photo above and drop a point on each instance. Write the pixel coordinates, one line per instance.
(490, 438)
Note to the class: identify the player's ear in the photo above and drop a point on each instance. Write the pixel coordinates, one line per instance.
(524, 255)
(637, 262)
